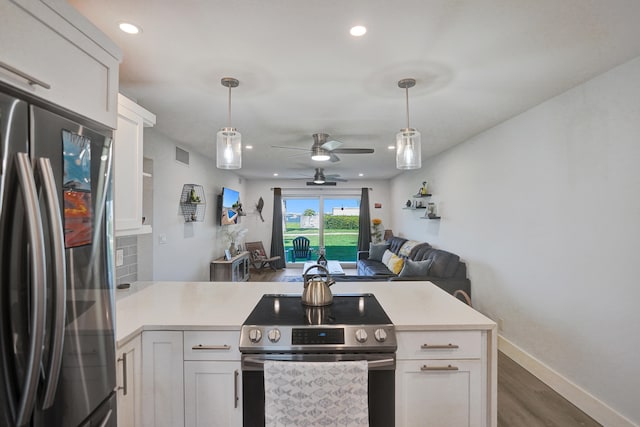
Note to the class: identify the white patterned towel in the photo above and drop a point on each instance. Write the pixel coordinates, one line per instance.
(316, 394)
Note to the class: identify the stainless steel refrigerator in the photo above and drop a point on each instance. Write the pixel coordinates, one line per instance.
(57, 323)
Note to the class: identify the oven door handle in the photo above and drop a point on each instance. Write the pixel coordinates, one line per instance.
(382, 363)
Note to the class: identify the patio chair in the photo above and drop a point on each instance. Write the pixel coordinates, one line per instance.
(258, 256)
(300, 249)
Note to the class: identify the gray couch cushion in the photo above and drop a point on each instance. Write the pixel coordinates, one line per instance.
(415, 268)
(376, 250)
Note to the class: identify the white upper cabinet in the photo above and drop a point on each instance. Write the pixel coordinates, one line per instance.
(51, 52)
(127, 167)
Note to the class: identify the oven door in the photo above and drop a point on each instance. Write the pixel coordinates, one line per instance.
(382, 368)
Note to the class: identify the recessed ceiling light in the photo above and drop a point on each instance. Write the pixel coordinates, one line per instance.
(391, 147)
(360, 174)
(358, 31)
(249, 147)
(130, 28)
(275, 174)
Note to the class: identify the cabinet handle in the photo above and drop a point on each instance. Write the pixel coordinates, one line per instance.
(438, 368)
(235, 388)
(439, 346)
(30, 79)
(123, 359)
(211, 347)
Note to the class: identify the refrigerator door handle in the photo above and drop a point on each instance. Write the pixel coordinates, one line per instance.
(59, 285)
(35, 236)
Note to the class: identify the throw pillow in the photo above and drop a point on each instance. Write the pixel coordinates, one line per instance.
(415, 268)
(386, 256)
(376, 250)
(405, 249)
(395, 264)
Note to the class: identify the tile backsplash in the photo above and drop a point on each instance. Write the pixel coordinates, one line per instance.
(128, 271)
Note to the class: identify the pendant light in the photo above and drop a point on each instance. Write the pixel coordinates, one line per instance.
(408, 146)
(229, 142)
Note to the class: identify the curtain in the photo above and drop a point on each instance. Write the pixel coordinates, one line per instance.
(364, 227)
(277, 238)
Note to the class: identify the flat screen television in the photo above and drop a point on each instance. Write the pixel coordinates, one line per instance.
(229, 202)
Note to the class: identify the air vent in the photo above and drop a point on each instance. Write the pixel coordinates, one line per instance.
(182, 156)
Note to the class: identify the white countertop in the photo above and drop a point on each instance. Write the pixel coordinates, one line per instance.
(225, 305)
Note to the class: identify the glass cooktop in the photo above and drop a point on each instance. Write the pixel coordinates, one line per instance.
(356, 309)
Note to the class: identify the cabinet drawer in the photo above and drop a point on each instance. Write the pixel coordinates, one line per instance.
(46, 56)
(211, 345)
(439, 345)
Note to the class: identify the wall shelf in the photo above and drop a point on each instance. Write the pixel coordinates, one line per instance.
(421, 196)
(192, 203)
(434, 218)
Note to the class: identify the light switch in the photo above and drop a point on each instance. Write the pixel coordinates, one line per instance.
(119, 257)
(162, 239)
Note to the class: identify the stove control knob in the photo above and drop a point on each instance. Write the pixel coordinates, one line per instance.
(361, 335)
(255, 335)
(274, 335)
(381, 335)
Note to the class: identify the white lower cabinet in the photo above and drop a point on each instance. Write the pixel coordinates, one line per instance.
(129, 362)
(212, 379)
(442, 393)
(212, 394)
(440, 380)
(162, 379)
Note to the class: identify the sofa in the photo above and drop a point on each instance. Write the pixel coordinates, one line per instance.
(443, 268)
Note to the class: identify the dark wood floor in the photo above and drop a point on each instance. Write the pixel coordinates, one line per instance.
(523, 400)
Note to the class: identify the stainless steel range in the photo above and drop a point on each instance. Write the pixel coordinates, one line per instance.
(353, 327)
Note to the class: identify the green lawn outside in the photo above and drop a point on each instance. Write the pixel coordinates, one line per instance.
(339, 244)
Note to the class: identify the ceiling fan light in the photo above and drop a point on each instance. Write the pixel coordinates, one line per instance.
(319, 177)
(319, 154)
(408, 149)
(228, 149)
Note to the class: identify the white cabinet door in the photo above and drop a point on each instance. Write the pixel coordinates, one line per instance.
(439, 393)
(162, 379)
(128, 380)
(127, 167)
(51, 52)
(212, 394)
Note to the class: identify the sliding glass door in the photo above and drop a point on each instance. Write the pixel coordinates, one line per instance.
(327, 221)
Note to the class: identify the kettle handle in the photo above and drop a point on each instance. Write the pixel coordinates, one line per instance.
(329, 280)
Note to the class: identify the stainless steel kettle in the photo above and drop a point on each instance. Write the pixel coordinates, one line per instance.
(316, 291)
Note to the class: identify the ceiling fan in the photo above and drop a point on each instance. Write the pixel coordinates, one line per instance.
(323, 150)
(319, 178)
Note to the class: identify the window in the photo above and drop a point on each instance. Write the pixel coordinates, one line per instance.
(327, 221)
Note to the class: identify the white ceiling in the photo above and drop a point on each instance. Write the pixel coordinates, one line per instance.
(476, 62)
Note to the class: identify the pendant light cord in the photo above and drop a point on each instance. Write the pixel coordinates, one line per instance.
(229, 112)
(406, 89)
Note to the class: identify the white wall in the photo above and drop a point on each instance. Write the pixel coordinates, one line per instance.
(191, 246)
(255, 189)
(545, 210)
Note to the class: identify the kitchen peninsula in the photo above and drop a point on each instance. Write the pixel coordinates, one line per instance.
(179, 357)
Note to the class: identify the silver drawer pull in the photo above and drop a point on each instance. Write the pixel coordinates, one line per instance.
(30, 79)
(211, 347)
(439, 346)
(438, 368)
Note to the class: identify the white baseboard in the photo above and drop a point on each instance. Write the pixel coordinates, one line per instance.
(595, 408)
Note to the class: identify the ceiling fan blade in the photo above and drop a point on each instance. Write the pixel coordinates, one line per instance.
(289, 148)
(337, 179)
(331, 145)
(333, 158)
(353, 150)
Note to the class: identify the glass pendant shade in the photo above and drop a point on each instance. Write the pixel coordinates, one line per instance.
(408, 149)
(228, 149)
